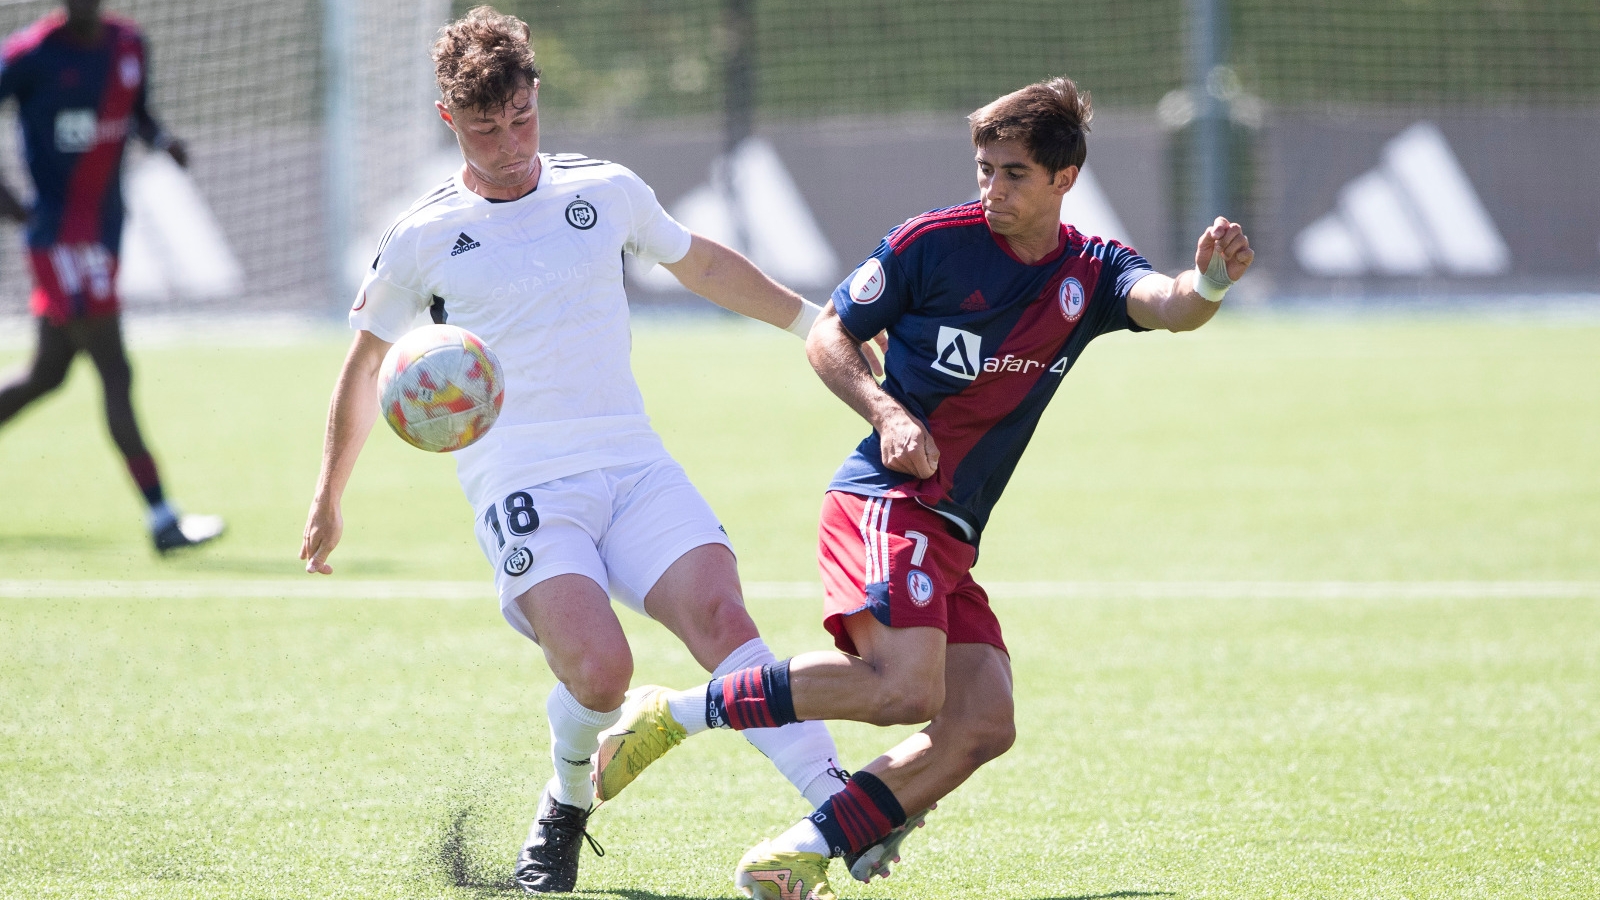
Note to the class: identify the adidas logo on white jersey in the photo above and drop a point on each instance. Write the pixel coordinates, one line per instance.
(464, 243)
(1415, 214)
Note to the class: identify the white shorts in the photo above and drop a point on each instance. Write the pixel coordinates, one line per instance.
(621, 527)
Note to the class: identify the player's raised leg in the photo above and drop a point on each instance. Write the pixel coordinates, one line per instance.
(698, 599)
(588, 653)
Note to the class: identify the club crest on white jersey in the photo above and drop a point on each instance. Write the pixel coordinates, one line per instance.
(520, 560)
(958, 353)
(1071, 298)
(866, 285)
(581, 215)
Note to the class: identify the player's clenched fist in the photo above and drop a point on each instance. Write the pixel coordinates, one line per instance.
(1223, 252)
(908, 447)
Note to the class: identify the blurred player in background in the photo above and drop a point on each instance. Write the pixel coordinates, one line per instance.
(80, 83)
(573, 492)
(987, 306)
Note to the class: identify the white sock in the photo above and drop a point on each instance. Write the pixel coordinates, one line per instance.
(689, 708)
(574, 737)
(802, 751)
(802, 838)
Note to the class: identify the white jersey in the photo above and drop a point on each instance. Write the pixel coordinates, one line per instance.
(540, 280)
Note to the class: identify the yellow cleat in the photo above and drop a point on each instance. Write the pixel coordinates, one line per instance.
(643, 735)
(768, 874)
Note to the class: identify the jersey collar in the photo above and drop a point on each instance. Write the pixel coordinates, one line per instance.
(477, 198)
(1052, 256)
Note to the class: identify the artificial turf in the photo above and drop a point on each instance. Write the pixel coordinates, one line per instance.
(1264, 743)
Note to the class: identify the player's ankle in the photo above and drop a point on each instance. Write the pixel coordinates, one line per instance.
(689, 709)
(161, 515)
(803, 837)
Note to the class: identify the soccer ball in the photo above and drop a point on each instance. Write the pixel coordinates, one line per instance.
(440, 388)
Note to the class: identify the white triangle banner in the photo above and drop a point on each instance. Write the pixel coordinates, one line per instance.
(1416, 214)
(1087, 209)
(172, 246)
(752, 204)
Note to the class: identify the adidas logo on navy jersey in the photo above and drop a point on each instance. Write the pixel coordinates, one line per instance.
(463, 244)
(958, 352)
(975, 302)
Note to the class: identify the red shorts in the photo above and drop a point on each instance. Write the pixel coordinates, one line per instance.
(73, 281)
(897, 559)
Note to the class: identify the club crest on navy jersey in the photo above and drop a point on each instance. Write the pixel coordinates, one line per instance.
(1071, 298)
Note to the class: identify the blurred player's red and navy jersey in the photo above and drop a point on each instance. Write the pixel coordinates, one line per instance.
(978, 343)
(77, 104)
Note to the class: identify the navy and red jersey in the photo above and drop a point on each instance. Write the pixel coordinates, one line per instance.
(978, 343)
(78, 104)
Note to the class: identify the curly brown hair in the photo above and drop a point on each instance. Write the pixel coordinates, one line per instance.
(482, 59)
(1050, 117)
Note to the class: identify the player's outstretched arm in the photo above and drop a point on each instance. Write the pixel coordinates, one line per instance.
(843, 365)
(725, 277)
(350, 416)
(1221, 257)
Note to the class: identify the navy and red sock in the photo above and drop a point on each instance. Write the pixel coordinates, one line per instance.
(858, 816)
(757, 697)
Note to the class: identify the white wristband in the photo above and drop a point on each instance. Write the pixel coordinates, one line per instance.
(1214, 282)
(801, 326)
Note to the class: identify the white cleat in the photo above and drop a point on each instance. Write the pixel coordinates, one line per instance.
(187, 531)
(874, 861)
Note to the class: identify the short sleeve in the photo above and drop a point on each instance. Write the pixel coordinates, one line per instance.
(875, 295)
(391, 296)
(1122, 268)
(653, 235)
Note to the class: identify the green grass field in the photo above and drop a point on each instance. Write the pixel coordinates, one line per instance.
(1333, 731)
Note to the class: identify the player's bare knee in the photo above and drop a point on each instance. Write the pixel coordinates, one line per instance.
(725, 619)
(712, 627)
(599, 681)
(992, 742)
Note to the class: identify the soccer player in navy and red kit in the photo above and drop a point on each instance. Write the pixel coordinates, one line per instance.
(79, 81)
(987, 306)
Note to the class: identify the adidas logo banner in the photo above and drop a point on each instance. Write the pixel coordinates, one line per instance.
(1415, 214)
(464, 243)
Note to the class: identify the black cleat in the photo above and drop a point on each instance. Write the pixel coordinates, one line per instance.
(187, 531)
(548, 863)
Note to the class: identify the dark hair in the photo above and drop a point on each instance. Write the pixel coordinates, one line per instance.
(482, 59)
(1051, 119)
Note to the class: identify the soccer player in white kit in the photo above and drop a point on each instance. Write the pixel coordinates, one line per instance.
(573, 492)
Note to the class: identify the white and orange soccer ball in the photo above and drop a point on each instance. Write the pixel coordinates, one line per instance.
(440, 388)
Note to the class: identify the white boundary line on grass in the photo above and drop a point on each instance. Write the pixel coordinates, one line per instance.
(341, 589)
